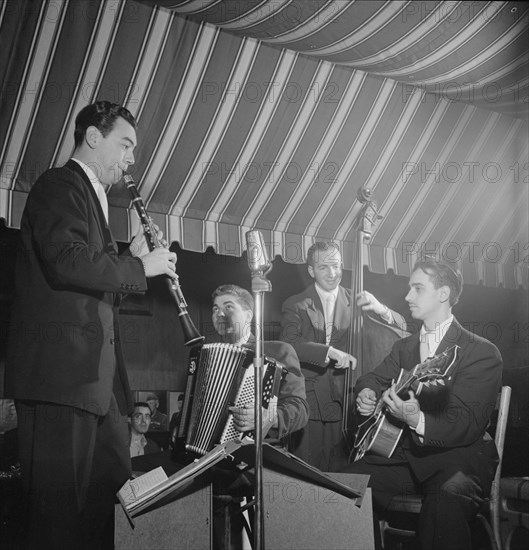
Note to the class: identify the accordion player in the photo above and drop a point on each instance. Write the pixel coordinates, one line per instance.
(220, 376)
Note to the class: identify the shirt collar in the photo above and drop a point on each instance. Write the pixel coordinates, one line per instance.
(138, 438)
(94, 180)
(438, 333)
(324, 294)
(243, 340)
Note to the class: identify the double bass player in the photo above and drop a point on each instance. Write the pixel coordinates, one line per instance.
(317, 322)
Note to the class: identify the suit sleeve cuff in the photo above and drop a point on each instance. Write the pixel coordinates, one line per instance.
(387, 316)
(419, 429)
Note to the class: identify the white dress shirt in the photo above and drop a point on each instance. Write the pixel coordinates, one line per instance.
(97, 185)
(137, 444)
(328, 300)
(430, 340)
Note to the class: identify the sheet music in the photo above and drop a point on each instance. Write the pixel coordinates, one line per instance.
(147, 481)
(149, 493)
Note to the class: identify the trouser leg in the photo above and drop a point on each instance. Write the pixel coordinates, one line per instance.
(386, 480)
(56, 445)
(111, 468)
(73, 462)
(451, 500)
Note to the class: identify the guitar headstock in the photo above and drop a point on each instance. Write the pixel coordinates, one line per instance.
(436, 369)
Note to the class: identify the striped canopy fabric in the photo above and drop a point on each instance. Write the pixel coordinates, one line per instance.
(273, 114)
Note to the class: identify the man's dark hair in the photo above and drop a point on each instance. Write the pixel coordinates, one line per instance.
(102, 115)
(244, 298)
(140, 404)
(320, 246)
(442, 274)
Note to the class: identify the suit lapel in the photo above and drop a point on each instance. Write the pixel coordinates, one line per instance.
(410, 352)
(97, 210)
(315, 314)
(317, 317)
(342, 311)
(452, 336)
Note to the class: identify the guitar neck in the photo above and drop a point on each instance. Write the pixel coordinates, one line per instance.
(405, 382)
(432, 369)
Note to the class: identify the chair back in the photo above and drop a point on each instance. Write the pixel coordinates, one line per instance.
(411, 504)
(499, 439)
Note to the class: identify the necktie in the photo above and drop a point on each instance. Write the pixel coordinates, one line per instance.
(329, 311)
(424, 348)
(103, 200)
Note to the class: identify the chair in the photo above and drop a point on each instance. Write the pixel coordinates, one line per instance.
(489, 515)
(514, 508)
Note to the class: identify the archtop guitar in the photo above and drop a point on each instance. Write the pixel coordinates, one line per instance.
(380, 432)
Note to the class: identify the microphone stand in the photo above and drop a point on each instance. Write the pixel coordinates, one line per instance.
(260, 285)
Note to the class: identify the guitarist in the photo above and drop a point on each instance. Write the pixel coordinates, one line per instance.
(444, 453)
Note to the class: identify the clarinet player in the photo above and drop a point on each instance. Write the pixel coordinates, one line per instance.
(64, 365)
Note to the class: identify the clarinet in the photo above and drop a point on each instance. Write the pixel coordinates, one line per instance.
(191, 334)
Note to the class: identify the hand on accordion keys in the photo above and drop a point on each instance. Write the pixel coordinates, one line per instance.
(244, 417)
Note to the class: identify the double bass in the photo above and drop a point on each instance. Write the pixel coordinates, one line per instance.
(370, 340)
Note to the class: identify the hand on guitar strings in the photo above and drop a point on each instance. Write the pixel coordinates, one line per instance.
(343, 360)
(407, 411)
(366, 402)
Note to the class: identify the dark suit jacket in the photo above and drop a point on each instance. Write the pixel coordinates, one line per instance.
(292, 408)
(64, 336)
(151, 446)
(303, 326)
(456, 418)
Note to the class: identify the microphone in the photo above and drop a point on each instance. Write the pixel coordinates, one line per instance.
(259, 265)
(258, 261)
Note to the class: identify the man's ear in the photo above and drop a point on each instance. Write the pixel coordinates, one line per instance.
(249, 316)
(310, 269)
(444, 293)
(92, 136)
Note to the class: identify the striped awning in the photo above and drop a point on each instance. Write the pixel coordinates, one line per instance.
(272, 114)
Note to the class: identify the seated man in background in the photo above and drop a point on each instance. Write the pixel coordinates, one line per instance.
(158, 418)
(140, 421)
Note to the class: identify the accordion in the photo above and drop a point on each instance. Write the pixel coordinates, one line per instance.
(220, 376)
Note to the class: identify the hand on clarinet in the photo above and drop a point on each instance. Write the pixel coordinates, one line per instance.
(244, 417)
(160, 261)
(139, 246)
(343, 360)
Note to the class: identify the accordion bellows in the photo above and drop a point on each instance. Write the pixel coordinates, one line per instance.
(219, 376)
